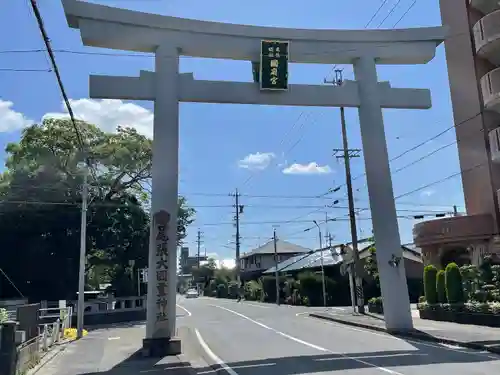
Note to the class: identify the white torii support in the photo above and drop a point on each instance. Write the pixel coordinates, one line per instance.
(171, 37)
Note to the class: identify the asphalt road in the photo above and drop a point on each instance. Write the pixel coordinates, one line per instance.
(259, 339)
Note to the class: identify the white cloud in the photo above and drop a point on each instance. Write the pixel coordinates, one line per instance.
(11, 120)
(427, 193)
(311, 168)
(257, 161)
(108, 114)
(226, 263)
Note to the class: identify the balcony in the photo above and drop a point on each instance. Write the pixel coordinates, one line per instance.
(487, 37)
(490, 88)
(485, 6)
(494, 138)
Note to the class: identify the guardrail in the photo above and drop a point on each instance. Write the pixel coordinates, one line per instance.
(30, 352)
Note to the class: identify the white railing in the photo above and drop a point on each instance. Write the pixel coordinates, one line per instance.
(31, 351)
(106, 305)
(52, 333)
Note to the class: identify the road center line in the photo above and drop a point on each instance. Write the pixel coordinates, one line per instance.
(308, 343)
(183, 308)
(212, 355)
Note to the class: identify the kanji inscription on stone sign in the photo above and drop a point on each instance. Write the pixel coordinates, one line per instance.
(162, 220)
(274, 65)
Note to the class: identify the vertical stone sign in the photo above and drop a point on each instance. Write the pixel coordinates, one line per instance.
(161, 222)
(274, 65)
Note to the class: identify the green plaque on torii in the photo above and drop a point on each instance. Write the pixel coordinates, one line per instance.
(274, 65)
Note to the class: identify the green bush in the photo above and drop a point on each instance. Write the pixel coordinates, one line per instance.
(454, 287)
(3, 315)
(441, 286)
(253, 291)
(430, 292)
(375, 301)
(269, 288)
(222, 291)
(232, 289)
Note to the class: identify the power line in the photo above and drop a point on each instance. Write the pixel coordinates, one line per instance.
(25, 70)
(116, 205)
(413, 148)
(405, 13)
(55, 68)
(461, 172)
(24, 188)
(390, 13)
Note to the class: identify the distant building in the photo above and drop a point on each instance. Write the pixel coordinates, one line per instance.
(186, 262)
(255, 262)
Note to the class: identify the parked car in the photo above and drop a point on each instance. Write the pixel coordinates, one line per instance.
(192, 293)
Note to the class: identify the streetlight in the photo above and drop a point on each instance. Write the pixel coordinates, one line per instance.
(322, 265)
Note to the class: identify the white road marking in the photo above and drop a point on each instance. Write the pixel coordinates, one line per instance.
(308, 343)
(113, 338)
(245, 303)
(212, 355)
(412, 341)
(183, 308)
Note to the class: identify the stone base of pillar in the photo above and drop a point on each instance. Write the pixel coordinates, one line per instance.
(161, 347)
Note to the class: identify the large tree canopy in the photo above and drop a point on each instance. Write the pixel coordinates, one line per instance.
(40, 205)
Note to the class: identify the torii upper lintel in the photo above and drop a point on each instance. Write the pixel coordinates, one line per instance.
(109, 27)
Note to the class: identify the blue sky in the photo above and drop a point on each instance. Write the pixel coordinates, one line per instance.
(216, 139)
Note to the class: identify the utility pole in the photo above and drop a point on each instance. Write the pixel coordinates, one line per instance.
(83, 247)
(198, 241)
(347, 154)
(239, 210)
(276, 273)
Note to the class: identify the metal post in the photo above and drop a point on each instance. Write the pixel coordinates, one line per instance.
(138, 282)
(276, 273)
(83, 246)
(351, 286)
(352, 216)
(321, 262)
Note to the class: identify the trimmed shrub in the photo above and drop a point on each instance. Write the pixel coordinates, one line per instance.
(430, 276)
(454, 287)
(441, 286)
(232, 290)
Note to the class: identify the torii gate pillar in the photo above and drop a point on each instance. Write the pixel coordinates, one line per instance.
(162, 263)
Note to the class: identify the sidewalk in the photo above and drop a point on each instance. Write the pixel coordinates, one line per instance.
(112, 351)
(469, 336)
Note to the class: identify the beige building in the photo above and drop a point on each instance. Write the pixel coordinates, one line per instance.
(473, 59)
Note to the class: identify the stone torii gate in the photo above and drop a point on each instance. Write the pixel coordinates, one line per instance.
(171, 37)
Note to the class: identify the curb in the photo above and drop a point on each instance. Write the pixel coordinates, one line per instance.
(58, 348)
(411, 334)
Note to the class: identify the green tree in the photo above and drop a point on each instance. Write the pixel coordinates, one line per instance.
(40, 207)
(371, 267)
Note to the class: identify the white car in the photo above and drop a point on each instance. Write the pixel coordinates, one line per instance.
(192, 293)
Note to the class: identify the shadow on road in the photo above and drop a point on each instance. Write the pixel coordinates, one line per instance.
(421, 355)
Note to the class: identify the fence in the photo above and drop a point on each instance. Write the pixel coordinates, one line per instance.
(29, 352)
